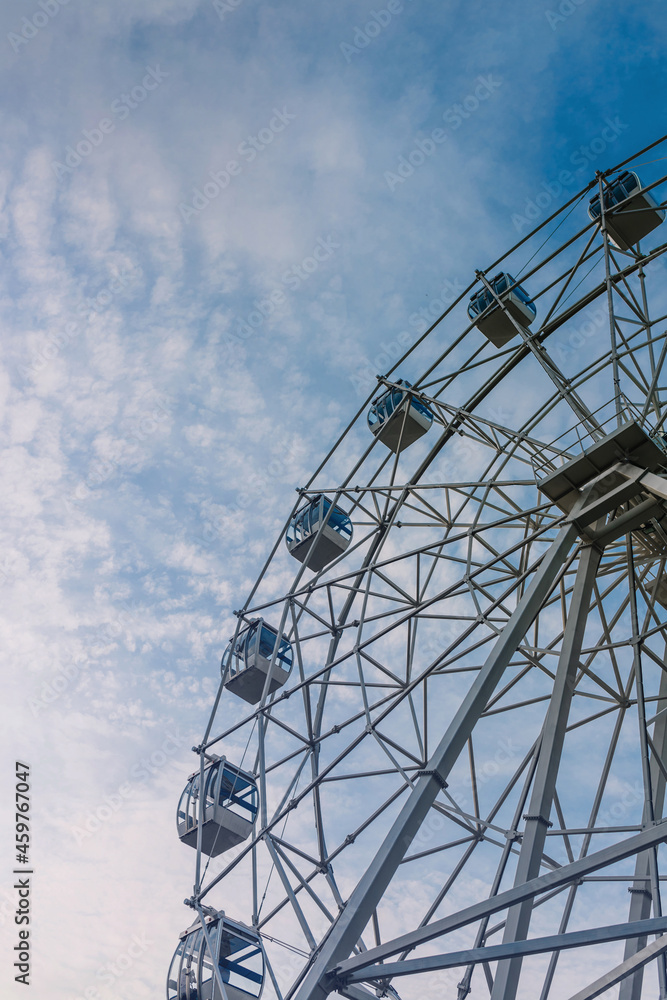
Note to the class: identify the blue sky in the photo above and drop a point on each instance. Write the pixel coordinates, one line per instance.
(180, 352)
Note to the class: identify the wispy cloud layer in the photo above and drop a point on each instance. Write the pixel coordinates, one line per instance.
(202, 258)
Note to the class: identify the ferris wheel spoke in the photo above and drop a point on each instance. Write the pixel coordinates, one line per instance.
(638, 379)
(303, 882)
(584, 255)
(628, 295)
(291, 895)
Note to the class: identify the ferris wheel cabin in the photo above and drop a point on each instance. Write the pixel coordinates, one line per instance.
(230, 808)
(247, 661)
(238, 954)
(318, 533)
(397, 419)
(493, 321)
(637, 216)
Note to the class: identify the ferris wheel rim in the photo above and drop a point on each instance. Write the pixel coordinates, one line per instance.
(514, 357)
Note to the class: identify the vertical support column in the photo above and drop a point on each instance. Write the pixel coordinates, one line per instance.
(655, 402)
(641, 897)
(646, 767)
(202, 816)
(553, 735)
(346, 931)
(640, 902)
(610, 304)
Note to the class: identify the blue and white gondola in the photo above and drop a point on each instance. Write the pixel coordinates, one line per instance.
(247, 660)
(496, 322)
(237, 952)
(230, 808)
(638, 215)
(398, 419)
(303, 541)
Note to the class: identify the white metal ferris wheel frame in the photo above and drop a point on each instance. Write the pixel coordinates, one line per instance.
(603, 517)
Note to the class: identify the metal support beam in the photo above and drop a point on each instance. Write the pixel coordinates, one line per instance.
(307, 933)
(623, 970)
(628, 521)
(635, 475)
(640, 901)
(655, 485)
(552, 880)
(346, 931)
(610, 301)
(354, 992)
(612, 497)
(551, 746)
(535, 946)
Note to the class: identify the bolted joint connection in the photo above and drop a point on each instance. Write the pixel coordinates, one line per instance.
(433, 774)
(539, 819)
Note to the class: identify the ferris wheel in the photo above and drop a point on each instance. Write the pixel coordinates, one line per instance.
(436, 762)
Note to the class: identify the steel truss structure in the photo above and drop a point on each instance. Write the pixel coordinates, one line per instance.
(462, 784)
